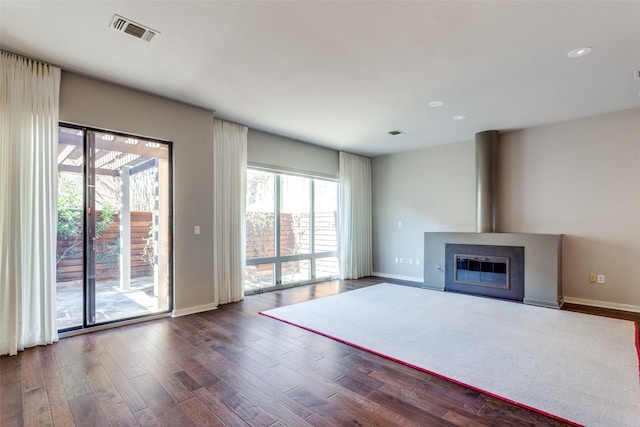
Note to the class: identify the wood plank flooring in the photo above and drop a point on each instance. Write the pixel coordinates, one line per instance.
(233, 367)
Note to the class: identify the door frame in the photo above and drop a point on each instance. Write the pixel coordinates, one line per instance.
(89, 239)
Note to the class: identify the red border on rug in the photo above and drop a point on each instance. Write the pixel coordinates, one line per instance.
(638, 346)
(488, 393)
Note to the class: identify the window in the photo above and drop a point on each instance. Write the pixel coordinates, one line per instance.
(292, 234)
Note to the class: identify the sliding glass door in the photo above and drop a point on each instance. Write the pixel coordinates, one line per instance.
(113, 227)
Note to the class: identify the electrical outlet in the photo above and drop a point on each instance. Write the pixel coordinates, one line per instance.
(592, 278)
(417, 261)
(396, 260)
(401, 262)
(410, 261)
(601, 279)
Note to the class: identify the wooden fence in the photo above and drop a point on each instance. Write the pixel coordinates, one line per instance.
(294, 234)
(108, 251)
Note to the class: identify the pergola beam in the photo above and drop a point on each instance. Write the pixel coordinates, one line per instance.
(115, 145)
(143, 166)
(80, 169)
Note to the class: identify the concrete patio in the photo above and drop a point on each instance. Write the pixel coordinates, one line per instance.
(111, 303)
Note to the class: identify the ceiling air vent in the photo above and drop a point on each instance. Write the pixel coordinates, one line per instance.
(134, 29)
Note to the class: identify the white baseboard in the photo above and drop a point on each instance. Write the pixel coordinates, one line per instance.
(398, 277)
(603, 304)
(193, 310)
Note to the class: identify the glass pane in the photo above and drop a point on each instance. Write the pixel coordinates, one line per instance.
(327, 267)
(131, 232)
(70, 241)
(261, 241)
(295, 224)
(326, 216)
(258, 277)
(296, 271)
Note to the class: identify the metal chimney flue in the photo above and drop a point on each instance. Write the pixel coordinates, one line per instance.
(486, 145)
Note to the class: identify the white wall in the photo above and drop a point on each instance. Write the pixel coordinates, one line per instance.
(426, 190)
(99, 104)
(582, 179)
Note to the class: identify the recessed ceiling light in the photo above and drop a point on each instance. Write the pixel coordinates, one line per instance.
(436, 104)
(459, 117)
(577, 53)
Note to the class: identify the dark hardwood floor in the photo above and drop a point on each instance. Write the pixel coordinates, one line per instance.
(233, 367)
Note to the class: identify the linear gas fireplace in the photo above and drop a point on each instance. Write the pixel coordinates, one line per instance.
(488, 270)
(481, 270)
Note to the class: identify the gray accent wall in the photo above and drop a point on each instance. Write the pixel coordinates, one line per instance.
(579, 178)
(424, 190)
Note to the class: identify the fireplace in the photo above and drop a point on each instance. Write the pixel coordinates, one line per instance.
(540, 275)
(481, 270)
(488, 270)
(490, 263)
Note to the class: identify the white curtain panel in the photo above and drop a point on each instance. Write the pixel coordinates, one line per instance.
(229, 188)
(29, 93)
(355, 216)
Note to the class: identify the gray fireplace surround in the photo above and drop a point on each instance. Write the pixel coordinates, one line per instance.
(542, 263)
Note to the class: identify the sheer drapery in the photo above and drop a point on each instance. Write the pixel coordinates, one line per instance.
(229, 188)
(355, 216)
(29, 93)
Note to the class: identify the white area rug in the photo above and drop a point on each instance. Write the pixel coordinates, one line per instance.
(579, 368)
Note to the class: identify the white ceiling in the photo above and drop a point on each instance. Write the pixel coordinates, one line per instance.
(344, 73)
